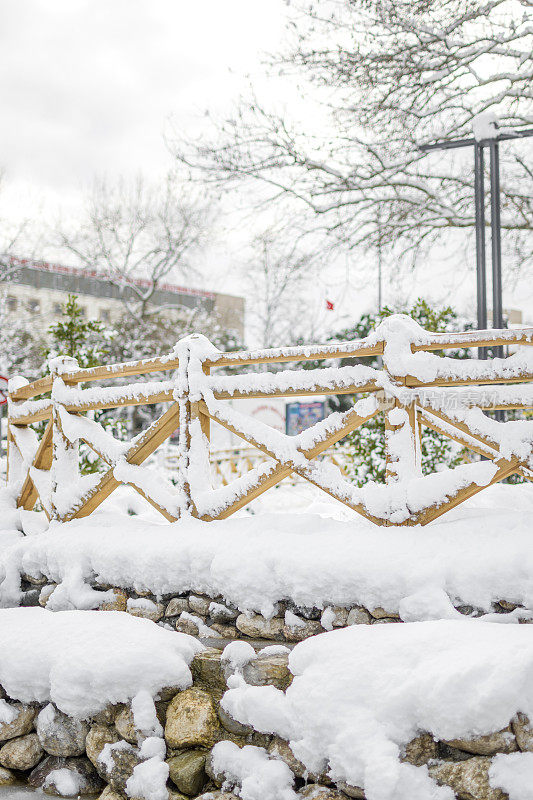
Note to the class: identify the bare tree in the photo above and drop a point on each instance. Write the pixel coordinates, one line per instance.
(14, 235)
(277, 276)
(138, 235)
(389, 74)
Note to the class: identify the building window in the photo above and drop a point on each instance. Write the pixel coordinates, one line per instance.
(12, 303)
(105, 315)
(58, 308)
(34, 306)
(83, 312)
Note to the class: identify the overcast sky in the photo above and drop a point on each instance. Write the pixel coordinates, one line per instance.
(88, 87)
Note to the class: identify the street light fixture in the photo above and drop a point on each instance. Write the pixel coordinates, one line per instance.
(486, 135)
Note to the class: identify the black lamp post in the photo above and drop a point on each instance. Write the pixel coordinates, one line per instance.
(492, 142)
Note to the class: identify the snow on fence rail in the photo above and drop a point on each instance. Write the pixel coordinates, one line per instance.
(414, 388)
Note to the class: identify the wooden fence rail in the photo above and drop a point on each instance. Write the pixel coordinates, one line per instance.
(414, 388)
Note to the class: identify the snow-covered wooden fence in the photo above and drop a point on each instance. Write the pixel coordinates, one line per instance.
(414, 388)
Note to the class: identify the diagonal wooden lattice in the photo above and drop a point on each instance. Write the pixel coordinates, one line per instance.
(413, 389)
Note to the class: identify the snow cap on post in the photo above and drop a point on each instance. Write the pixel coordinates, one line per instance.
(485, 126)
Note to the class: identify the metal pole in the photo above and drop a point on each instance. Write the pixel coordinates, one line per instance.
(497, 312)
(480, 243)
(380, 299)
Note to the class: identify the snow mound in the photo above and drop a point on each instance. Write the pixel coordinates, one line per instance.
(362, 693)
(476, 556)
(83, 660)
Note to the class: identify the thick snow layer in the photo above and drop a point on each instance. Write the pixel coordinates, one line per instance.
(66, 782)
(81, 661)
(514, 774)
(481, 552)
(256, 774)
(362, 693)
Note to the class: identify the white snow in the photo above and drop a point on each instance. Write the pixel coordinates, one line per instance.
(106, 754)
(7, 713)
(479, 553)
(153, 747)
(144, 714)
(514, 774)
(485, 126)
(65, 780)
(292, 621)
(362, 693)
(251, 769)
(149, 779)
(83, 660)
(274, 650)
(237, 654)
(327, 619)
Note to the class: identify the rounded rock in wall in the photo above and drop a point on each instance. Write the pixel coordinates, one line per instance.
(258, 627)
(227, 631)
(119, 765)
(216, 795)
(107, 715)
(6, 777)
(420, 750)
(21, 723)
(317, 792)
(86, 777)
(125, 725)
(118, 603)
(280, 749)
(146, 609)
(97, 738)
(222, 614)
(206, 668)
(186, 625)
(199, 605)
(468, 778)
(192, 720)
(59, 734)
(231, 725)
(304, 631)
(499, 742)
(187, 771)
(382, 613)
(359, 616)
(523, 730)
(176, 606)
(22, 753)
(268, 671)
(110, 794)
(352, 791)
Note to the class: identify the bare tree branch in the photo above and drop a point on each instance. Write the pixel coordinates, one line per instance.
(138, 235)
(390, 74)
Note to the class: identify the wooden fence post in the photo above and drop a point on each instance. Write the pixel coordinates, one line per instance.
(181, 395)
(64, 469)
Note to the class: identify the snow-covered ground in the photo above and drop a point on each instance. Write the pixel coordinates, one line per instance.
(440, 673)
(82, 661)
(325, 555)
(362, 693)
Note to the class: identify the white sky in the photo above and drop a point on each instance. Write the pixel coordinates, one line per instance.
(88, 86)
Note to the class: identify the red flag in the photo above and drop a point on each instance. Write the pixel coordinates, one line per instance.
(329, 305)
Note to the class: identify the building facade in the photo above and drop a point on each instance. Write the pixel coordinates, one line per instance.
(37, 290)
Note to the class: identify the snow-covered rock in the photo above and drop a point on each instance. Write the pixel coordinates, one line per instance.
(59, 734)
(83, 660)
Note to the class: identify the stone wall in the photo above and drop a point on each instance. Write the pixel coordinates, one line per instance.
(44, 748)
(207, 617)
